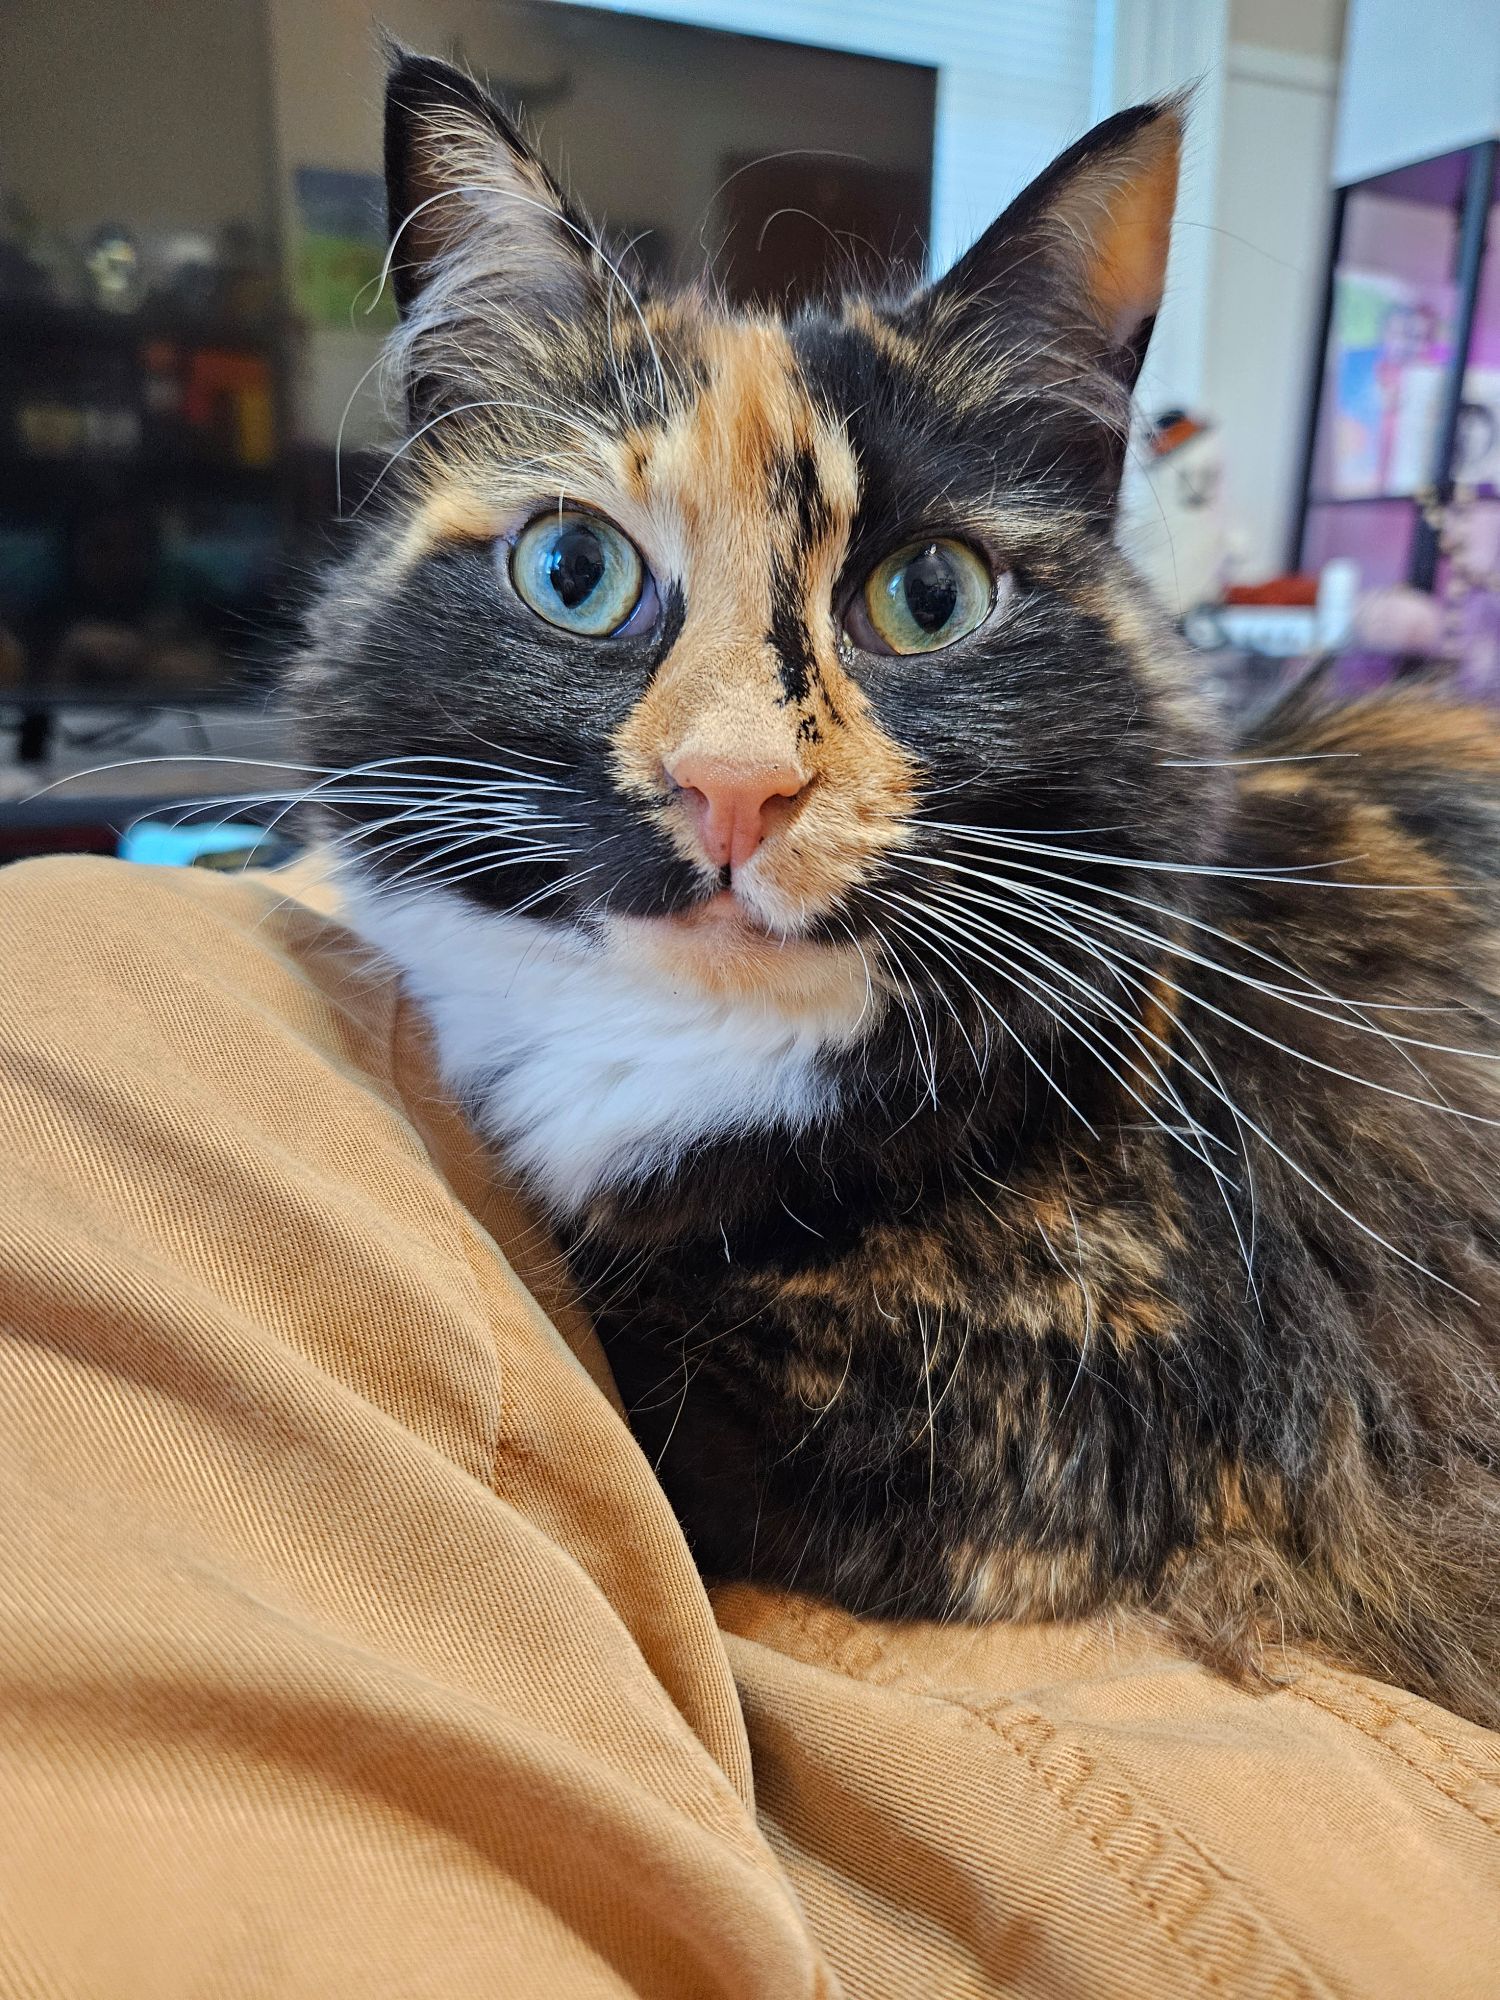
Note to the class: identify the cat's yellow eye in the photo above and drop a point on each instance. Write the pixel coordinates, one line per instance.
(579, 572)
(926, 596)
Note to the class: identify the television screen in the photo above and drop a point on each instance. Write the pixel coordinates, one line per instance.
(191, 238)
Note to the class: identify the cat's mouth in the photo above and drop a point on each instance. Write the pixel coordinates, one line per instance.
(720, 947)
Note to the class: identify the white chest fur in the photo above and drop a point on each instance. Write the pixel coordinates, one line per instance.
(584, 1062)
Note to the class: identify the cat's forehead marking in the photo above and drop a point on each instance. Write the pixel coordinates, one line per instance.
(750, 490)
(749, 444)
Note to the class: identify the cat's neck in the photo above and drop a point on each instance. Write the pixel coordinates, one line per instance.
(589, 1074)
(613, 1093)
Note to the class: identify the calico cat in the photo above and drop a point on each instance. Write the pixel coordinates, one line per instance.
(1025, 1152)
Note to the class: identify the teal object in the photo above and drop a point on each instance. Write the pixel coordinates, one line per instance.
(162, 845)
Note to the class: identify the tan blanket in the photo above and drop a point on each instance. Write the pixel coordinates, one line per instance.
(348, 1647)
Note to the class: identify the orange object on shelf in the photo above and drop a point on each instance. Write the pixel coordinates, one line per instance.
(1278, 590)
(1175, 431)
(231, 394)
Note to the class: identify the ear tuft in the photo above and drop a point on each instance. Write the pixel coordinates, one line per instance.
(1120, 214)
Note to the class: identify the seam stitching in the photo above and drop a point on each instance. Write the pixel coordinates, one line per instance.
(863, 1655)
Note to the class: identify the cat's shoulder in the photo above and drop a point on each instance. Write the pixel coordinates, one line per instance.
(1414, 765)
(1421, 721)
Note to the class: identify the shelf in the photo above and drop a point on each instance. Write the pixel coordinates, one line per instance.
(1362, 500)
(26, 482)
(228, 693)
(46, 320)
(1484, 496)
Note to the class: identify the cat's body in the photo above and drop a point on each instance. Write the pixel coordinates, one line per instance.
(975, 1366)
(1023, 1152)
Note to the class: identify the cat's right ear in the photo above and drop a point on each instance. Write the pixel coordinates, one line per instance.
(482, 237)
(1061, 293)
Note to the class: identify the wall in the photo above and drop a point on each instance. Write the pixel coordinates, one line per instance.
(1240, 320)
(1296, 27)
(92, 112)
(1016, 81)
(1422, 77)
(1271, 247)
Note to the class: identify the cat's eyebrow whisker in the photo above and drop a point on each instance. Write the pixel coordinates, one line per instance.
(374, 368)
(446, 416)
(431, 323)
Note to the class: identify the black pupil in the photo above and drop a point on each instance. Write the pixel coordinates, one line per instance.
(575, 565)
(931, 589)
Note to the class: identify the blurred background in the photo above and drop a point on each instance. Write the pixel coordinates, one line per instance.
(191, 232)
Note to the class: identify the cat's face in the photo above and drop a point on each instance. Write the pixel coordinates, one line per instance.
(702, 631)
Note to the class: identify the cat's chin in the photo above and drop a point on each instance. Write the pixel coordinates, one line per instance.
(721, 948)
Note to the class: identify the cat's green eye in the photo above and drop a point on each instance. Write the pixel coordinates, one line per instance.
(926, 596)
(579, 572)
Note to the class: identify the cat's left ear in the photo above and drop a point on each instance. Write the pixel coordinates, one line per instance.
(1075, 266)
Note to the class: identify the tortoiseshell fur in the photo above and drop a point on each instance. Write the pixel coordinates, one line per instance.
(1169, 1280)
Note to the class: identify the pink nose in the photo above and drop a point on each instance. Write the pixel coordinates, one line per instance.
(730, 801)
